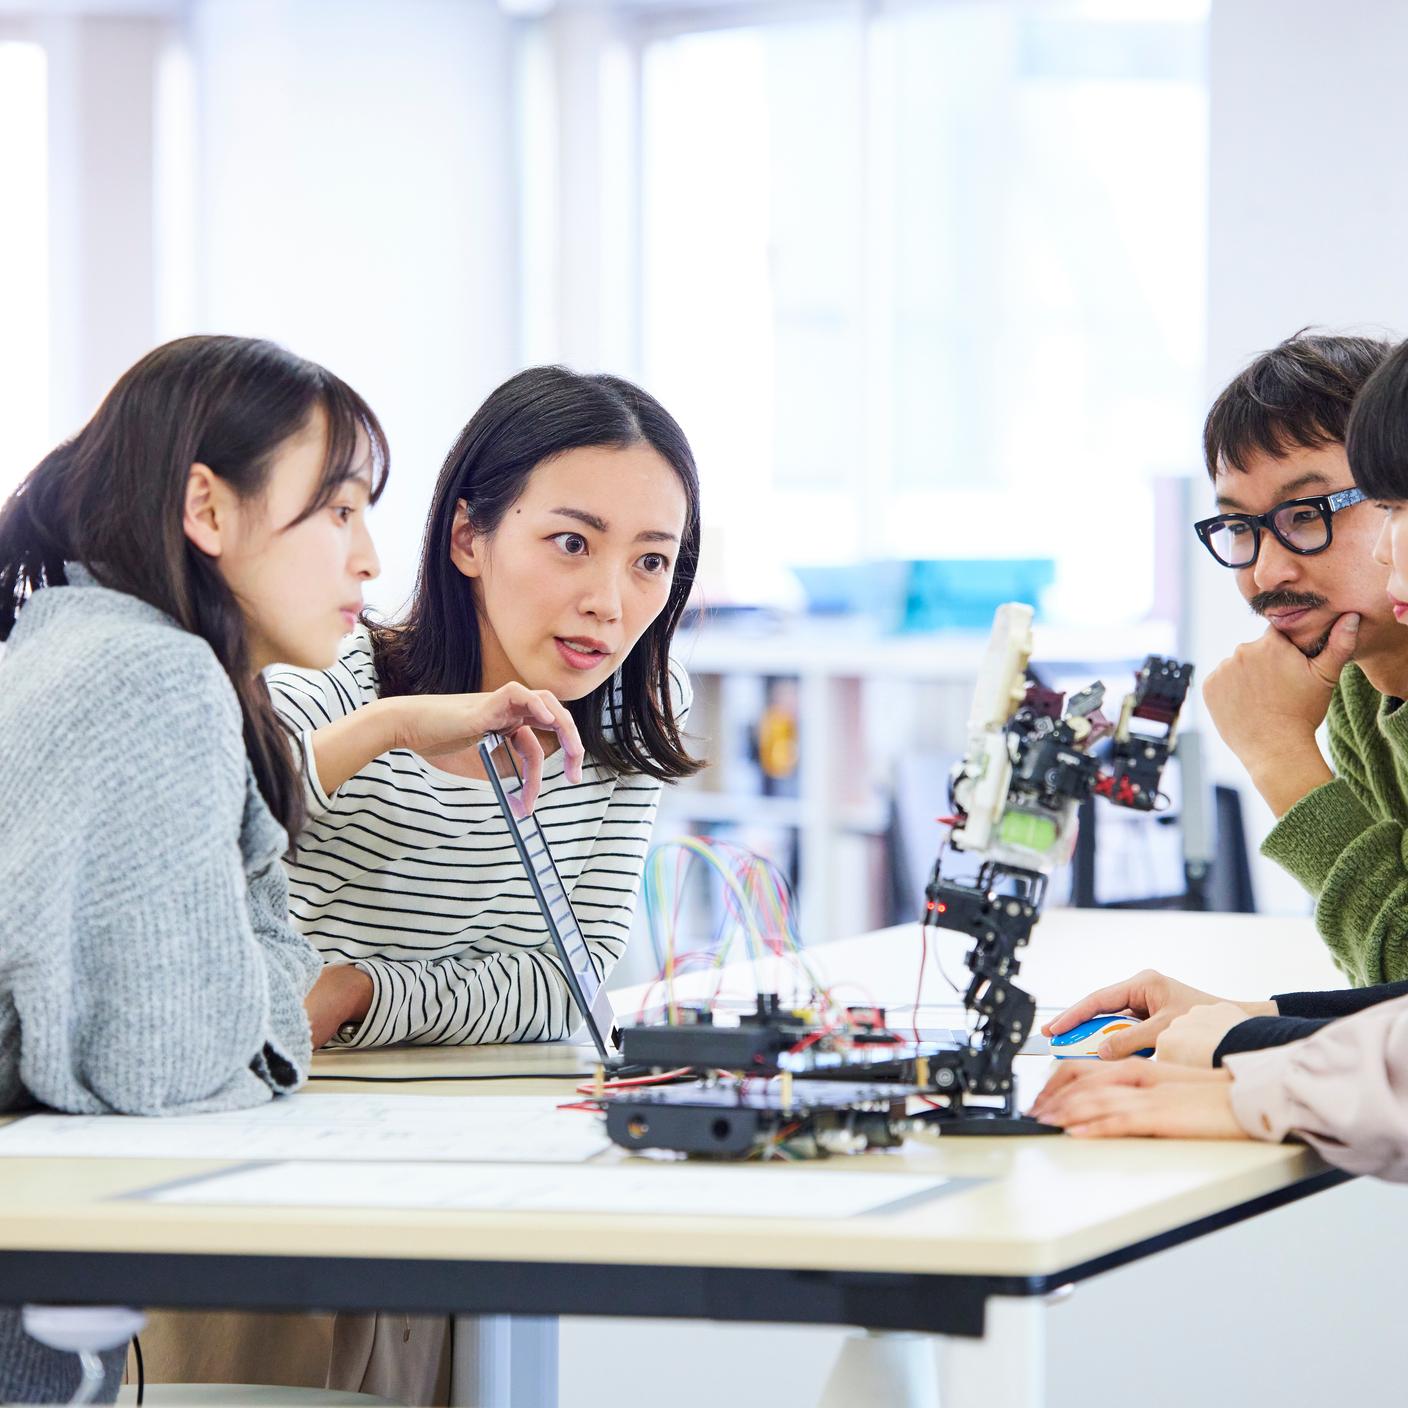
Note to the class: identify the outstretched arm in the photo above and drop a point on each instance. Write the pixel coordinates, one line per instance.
(518, 992)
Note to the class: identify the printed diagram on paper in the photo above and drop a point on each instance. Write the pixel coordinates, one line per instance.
(450, 1128)
(638, 1187)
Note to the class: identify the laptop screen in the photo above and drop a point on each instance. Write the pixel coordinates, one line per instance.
(569, 943)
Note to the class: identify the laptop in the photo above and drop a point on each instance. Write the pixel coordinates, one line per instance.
(568, 941)
(588, 991)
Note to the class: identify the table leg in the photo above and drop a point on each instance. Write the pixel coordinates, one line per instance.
(882, 1367)
(504, 1361)
(1004, 1369)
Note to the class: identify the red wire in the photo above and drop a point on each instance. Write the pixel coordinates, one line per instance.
(590, 1088)
(808, 1040)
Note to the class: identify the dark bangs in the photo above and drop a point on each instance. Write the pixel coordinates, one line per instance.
(1377, 438)
(1297, 396)
(352, 428)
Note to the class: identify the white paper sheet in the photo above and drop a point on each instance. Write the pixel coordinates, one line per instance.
(522, 1129)
(637, 1186)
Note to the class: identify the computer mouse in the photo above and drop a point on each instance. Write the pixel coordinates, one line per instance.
(1083, 1040)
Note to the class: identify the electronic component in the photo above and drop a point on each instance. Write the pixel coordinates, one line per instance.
(1138, 759)
(1015, 794)
(757, 1043)
(732, 1118)
(779, 1078)
(810, 1078)
(773, 1040)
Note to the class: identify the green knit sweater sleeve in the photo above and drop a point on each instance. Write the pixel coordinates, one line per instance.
(1347, 843)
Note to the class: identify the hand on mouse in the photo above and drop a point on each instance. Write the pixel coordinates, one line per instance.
(1191, 1040)
(1154, 998)
(1139, 1099)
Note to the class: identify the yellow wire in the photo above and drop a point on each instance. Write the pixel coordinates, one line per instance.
(753, 893)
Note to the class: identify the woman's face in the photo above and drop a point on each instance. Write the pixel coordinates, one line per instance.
(577, 570)
(299, 585)
(1391, 550)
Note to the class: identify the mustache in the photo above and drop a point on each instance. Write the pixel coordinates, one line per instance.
(1263, 602)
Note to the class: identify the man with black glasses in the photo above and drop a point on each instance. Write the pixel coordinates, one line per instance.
(1300, 539)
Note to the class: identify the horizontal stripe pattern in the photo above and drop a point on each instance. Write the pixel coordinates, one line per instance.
(411, 874)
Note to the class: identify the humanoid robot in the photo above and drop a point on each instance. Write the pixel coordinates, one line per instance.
(1028, 766)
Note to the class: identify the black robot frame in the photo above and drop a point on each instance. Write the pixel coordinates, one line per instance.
(998, 910)
(775, 1077)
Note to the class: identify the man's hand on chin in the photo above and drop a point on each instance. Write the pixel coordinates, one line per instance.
(1267, 700)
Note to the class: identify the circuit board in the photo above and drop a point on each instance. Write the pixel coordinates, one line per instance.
(732, 1117)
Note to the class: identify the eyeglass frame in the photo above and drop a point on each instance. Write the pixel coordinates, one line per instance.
(1328, 504)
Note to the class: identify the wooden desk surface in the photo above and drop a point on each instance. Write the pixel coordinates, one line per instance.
(1045, 1205)
(1042, 1205)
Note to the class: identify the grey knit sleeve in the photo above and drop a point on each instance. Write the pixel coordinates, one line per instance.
(293, 966)
(156, 976)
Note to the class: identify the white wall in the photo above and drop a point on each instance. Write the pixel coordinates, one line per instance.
(357, 201)
(1308, 214)
(101, 266)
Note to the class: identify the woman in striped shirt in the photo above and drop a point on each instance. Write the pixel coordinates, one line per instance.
(558, 557)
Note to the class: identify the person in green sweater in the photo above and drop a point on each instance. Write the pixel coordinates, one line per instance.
(1299, 538)
(1343, 1085)
(1303, 541)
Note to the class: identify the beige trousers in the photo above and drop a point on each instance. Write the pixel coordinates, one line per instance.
(405, 1358)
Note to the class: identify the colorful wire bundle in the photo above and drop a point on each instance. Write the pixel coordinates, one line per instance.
(757, 903)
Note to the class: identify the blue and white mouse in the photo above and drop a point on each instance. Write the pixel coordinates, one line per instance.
(1082, 1042)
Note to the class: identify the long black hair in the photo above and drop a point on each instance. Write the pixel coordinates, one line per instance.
(112, 498)
(627, 723)
(1377, 442)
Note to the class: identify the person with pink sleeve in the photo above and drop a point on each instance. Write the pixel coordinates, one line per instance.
(1344, 1091)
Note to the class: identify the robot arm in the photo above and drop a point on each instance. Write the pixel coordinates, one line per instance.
(1027, 768)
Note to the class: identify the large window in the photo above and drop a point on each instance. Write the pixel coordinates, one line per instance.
(24, 265)
(926, 280)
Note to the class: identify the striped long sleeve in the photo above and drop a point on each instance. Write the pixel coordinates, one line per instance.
(409, 872)
(147, 965)
(507, 984)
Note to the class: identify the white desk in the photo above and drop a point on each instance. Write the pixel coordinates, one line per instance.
(1072, 952)
(975, 1266)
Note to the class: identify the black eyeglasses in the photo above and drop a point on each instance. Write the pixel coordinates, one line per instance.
(1299, 525)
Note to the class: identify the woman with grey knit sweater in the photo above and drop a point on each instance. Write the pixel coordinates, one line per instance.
(208, 521)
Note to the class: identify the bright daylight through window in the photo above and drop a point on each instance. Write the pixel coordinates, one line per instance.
(927, 281)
